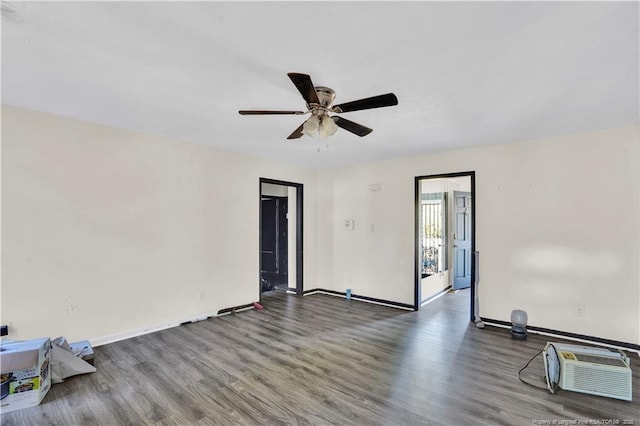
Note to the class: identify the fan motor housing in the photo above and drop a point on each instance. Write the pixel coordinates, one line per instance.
(326, 96)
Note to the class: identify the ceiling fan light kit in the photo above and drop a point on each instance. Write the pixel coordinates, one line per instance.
(327, 127)
(319, 102)
(316, 126)
(311, 126)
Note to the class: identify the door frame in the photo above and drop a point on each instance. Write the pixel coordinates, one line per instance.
(417, 274)
(299, 227)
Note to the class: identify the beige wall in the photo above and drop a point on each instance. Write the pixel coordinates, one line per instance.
(108, 233)
(434, 284)
(557, 229)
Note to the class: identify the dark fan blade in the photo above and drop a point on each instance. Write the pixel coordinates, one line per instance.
(352, 127)
(367, 103)
(297, 133)
(259, 112)
(305, 87)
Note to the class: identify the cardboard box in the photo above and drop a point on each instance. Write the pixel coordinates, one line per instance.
(25, 371)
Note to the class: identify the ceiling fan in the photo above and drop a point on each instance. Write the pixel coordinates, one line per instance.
(319, 100)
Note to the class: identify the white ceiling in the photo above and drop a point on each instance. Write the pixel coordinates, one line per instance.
(465, 73)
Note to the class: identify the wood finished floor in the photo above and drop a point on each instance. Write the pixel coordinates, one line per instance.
(321, 360)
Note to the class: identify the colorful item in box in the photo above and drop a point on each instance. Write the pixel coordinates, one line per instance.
(25, 373)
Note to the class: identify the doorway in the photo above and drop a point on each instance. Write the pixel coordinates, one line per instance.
(444, 236)
(280, 240)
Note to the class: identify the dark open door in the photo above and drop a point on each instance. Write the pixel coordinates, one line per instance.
(274, 247)
(462, 240)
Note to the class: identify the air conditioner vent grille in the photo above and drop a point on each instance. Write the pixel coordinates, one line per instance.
(600, 381)
(600, 360)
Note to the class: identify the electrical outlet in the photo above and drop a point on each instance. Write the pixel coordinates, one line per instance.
(201, 294)
(4, 330)
(349, 224)
(580, 311)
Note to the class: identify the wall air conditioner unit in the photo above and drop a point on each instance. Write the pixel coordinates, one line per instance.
(592, 370)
